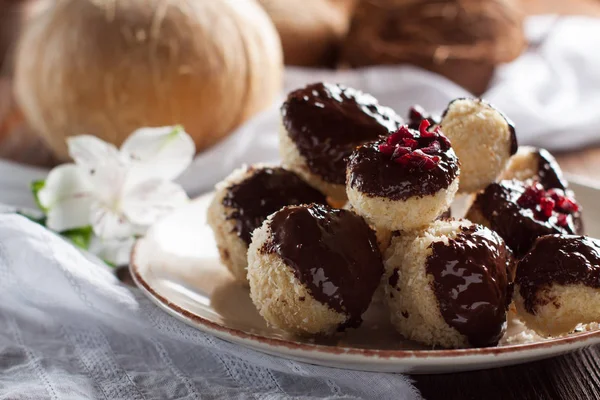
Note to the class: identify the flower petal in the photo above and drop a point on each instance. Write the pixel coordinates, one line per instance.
(159, 153)
(89, 151)
(148, 201)
(66, 196)
(115, 251)
(109, 223)
(69, 214)
(108, 182)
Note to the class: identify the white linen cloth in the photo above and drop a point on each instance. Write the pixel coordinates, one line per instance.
(70, 330)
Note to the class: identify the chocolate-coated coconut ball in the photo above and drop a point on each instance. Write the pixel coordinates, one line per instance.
(322, 124)
(557, 285)
(244, 200)
(313, 269)
(483, 138)
(448, 285)
(405, 181)
(520, 212)
(530, 163)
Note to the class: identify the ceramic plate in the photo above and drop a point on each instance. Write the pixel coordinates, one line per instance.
(177, 266)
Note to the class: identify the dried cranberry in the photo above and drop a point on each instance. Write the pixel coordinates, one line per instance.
(532, 196)
(555, 194)
(403, 146)
(401, 133)
(423, 126)
(412, 143)
(547, 207)
(561, 220)
(545, 204)
(431, 162)
(416, 113)
(434, 147)
(400, 151)
(404, 160)
(386, 149)
(567, 205)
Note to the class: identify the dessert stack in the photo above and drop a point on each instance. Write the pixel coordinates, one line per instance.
(362, 204)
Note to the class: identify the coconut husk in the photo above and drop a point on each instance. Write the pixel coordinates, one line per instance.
(461, 39)
(312, 31)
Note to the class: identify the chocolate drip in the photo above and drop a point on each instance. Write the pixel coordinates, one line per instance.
(333, 253)
(376, 175)
(515, 224)
(326, 122)
(549, 173)
(471, 283)
(514, 143)
(267, 190)
(558, 259)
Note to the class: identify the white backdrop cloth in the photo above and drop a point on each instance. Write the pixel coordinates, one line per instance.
(70, 330)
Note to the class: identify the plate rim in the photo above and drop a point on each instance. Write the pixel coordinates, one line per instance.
(443, 354)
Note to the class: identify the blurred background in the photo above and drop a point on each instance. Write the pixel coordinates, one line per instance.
(107, 67)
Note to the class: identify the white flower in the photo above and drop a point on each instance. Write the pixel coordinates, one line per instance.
(120, 193)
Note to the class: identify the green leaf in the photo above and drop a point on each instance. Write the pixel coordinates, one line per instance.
(36, 186)
(80, 237)
(177, 129)
(37, 219)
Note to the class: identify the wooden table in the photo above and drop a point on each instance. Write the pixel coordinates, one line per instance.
(574, 376)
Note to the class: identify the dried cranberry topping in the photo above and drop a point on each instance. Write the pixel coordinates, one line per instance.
(416, 149)
(548, 203)
(416, 114)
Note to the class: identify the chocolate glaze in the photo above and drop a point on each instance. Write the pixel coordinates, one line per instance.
(418, 114)
(267, 190)
(470, 281)
(514, 144)
(446, 214)
(376, 175)
(333, 253)
(549, 173)
(515, 224)
(326, 122)
(558, 259)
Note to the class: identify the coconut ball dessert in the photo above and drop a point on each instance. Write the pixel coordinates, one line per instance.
(520, 212)
(557, 285)
(404, 181)
(537, 164)
(483, 138)
(244, 200)
(313, 269)
(447, 284)
(322, 124)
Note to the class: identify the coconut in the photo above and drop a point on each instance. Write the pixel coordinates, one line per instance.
(463, 40)
(312, 31)
(108, 67)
